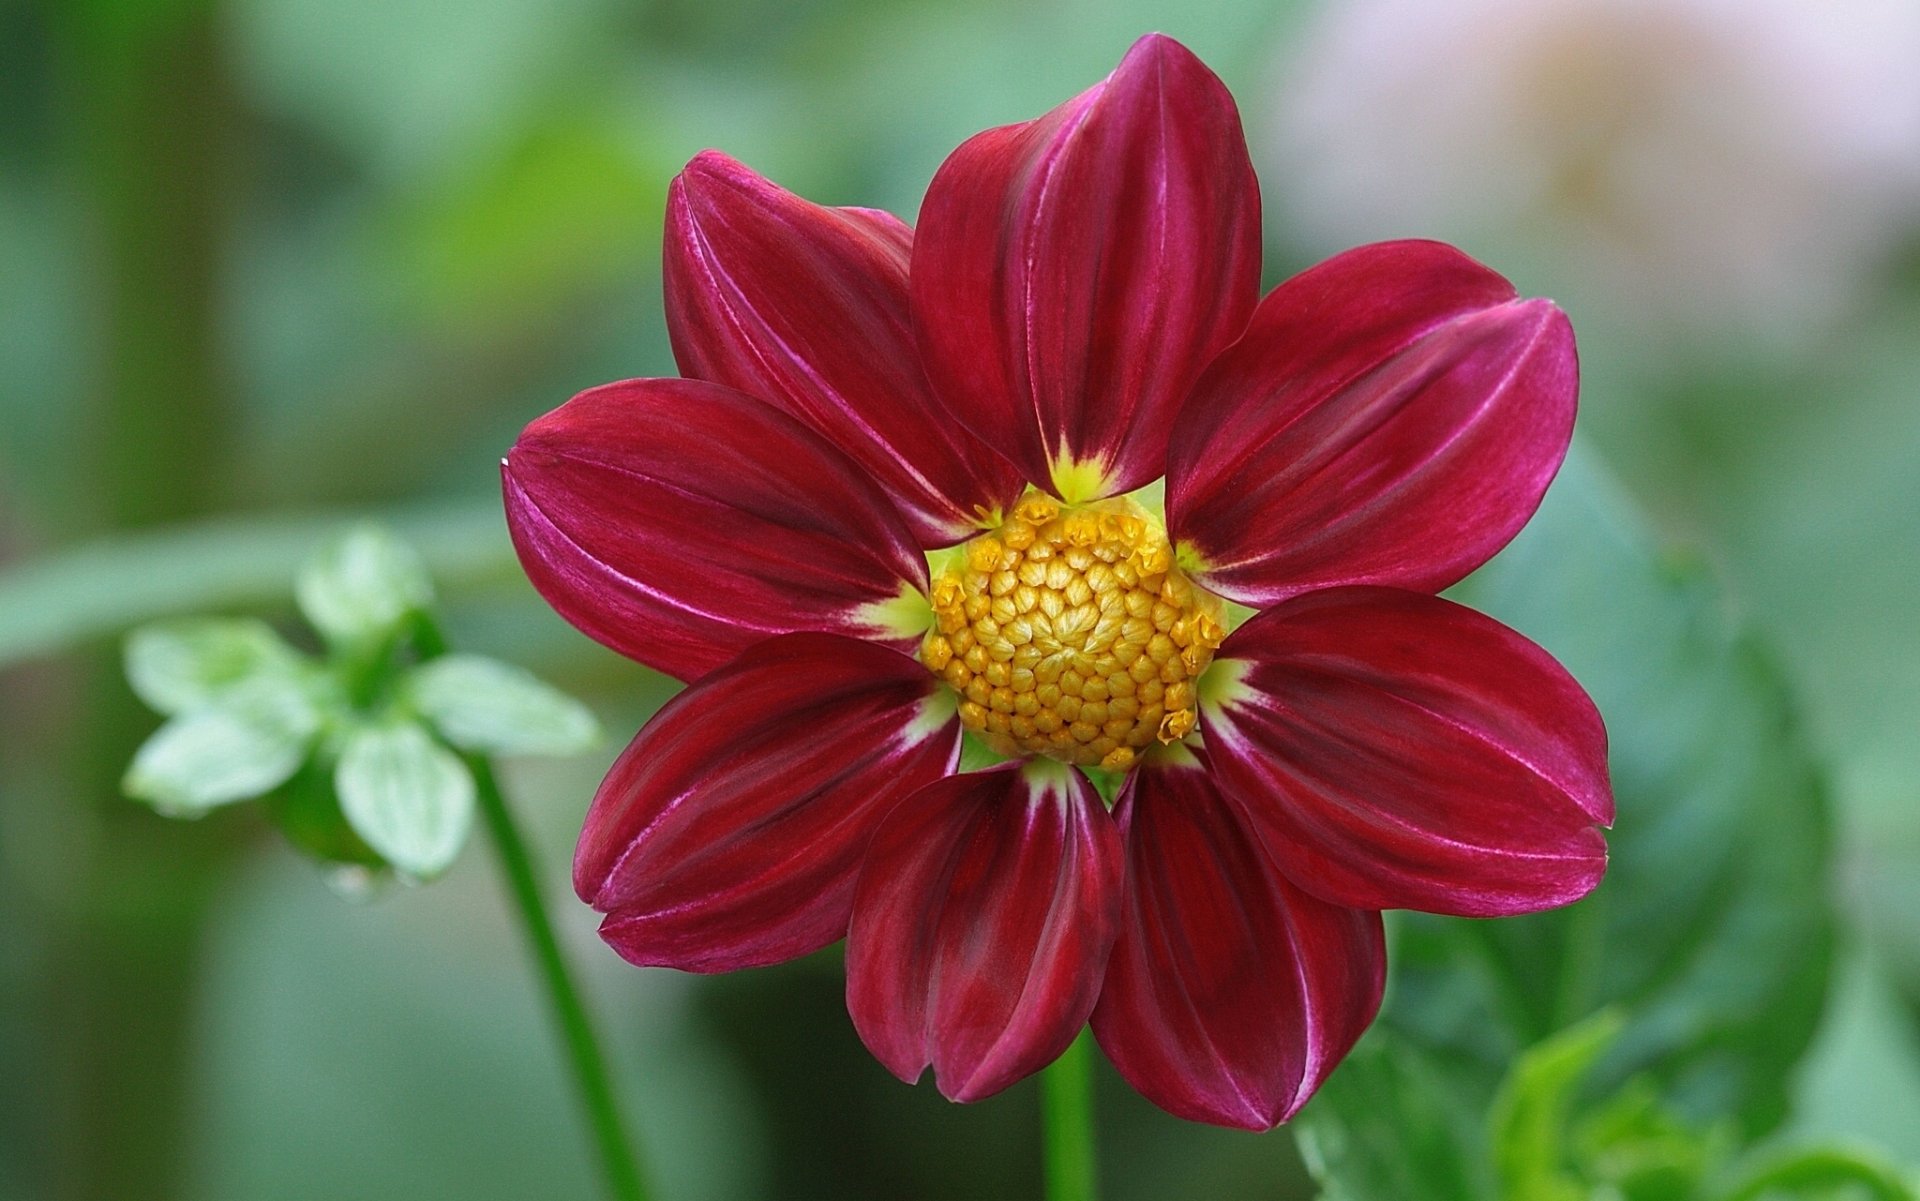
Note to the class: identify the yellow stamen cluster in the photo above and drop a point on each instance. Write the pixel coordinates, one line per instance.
(1069, 632)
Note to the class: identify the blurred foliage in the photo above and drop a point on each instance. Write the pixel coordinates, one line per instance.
(1544, 1144)
(1705, 950)
(1713, 929)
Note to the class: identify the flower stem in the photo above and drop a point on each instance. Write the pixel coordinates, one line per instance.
(1066, 1102)
(617, 1157)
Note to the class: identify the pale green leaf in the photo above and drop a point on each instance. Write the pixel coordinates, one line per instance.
(1646, 1151)
(190, 664)
(361, 585)
(410, 798)
(1823, 1174)
(249, 743)
(485, 705)
(1528, 1125)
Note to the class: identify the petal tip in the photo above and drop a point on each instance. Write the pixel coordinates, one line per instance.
(618, 935)
(1546, 320)
(1156, 47)
(975, 1087)
(712, 164)
(712, 187)
(588, 881)
(705, 179)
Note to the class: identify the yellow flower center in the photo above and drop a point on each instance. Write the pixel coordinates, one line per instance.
(1070, 632)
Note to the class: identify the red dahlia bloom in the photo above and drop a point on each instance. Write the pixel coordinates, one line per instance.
(888, 505)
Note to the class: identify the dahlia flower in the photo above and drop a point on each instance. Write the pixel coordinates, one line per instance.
(902, 495)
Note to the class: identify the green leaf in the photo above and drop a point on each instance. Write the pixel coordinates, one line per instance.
(1711, 936)
(1823, 1173)
(360, 586)
(1392, 1124)
(1713, 931)
(1861, 1079)
(249, 743)
(182, 665)
(1644, 1151)
(410, 798)
(484, 705)
(1527, 1128)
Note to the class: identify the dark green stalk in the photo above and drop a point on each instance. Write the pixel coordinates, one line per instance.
(1066, 1101)
(618, 1160)
(144, 136)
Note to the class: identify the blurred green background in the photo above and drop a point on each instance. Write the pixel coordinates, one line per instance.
(265, 264)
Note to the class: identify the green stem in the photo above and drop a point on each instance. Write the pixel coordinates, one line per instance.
(590, 1075)
(1066, 1102)
(618, 1159)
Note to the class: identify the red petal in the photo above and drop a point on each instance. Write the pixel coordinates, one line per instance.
(1073, 275)
(1399, 751)
(730, 832)
(1231, 994)
(806, 307)
(1392, 416)
(983, 918)
(681, 522)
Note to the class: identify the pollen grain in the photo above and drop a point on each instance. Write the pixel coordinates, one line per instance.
(1070, 632)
